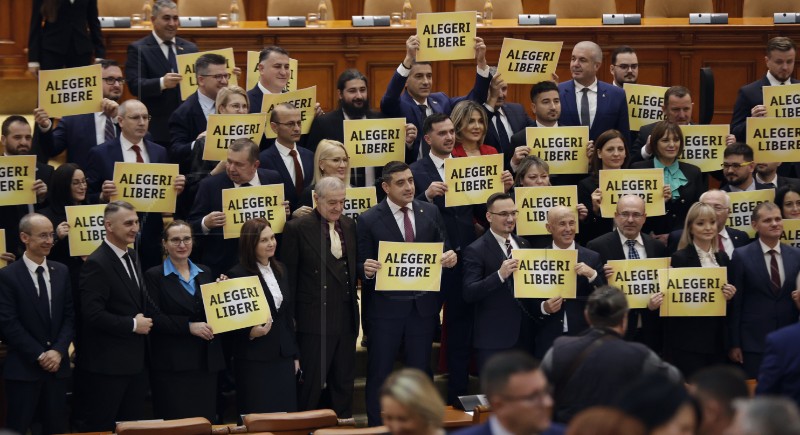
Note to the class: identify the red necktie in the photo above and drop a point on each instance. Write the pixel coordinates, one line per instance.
(407, 227)
(138, 152)
(298, 173)
(774, 273)
(720, 245)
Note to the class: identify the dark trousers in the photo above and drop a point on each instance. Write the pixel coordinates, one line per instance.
(104, 400)
(690, 362)
(752, 363)
(525, 342)
(265, 386)
(184, 394)
(328, 363)
(387, 336)
(45, 399)
(458, 319)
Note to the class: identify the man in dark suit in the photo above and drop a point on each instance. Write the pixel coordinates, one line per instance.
(397, 319)
(37, 322)
(738, 167)
(151, 68)
(65, 36)
(324, 240)
(559, 316)
(15, 137)
(273, 73)
(779, 374)
(131, 146)
(501, 322)
(767, 175)
(114, 328)
(294, 164)
(765, 274)
(505, 118)
(588, 101)
(207, 218)
(71, 132)
(546, 105)
(729, 238)
(418, 102)
(628, 242)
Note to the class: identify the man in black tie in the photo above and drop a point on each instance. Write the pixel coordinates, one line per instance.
(505, 118)
(767, 175)
(112, 376)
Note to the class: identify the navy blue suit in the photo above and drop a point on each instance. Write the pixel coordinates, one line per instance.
(75, 134)
(396, 103)
(780, 369)
(750, 95)
(218, 253)
(518, 120)
(185, 124)
(256, 97)
(144, 66)
(400, 318)
(29, 332)
(271, 159)
(756, 311)
(612, 109)
(486, 429)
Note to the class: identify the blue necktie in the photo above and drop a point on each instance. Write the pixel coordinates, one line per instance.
(633, 254)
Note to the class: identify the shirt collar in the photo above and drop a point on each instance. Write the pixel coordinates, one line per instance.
(396, 208)
(283, 149)
(671, 168)
(540, 125)
(31, 265)
(159, 40)
(570, 247)
(255, 181)
(205, 102)
(773, 181)
(724, 234)
(624, 239)
(775, 82)
(438, 162)
(117, 251)
(592, 87)
(263, 89)
(170, 268)
(765, 249)
(496, 427)
(127, 145)
(499, 238)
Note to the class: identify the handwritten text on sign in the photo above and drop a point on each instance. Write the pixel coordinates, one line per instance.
(409, 266)
(235, 304)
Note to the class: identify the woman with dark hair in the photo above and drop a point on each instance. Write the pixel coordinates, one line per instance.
(788, 199)
(64, 34)
(265, 357)
(184, 356)
(470, 122)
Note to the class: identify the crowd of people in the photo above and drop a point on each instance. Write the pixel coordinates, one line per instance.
(133, 309)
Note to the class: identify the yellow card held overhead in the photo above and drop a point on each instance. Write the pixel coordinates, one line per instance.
(638, 279)
(704, 145)
(782, 101)
(563, 148)
(17, 175)
(528, 62)
(71, 91)
(472, 180)
(244, 203)
(742, 206)
(86, 228)
(3, 263)
(409, 266)
(645, 104)
(222, 130)
(150, 187)
(253, 75)
(545, 273)
(533, 203)
(774, 139)
(375, 142)
(186, 68)
(235, 304)
(693, 291)
(647, 183)
(446, 36)
(303, 99)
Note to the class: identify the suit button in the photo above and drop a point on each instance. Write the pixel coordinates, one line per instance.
(48, 343)
(324, 286)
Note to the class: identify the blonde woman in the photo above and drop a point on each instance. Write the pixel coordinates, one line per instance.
(330, 160)
(411, 405)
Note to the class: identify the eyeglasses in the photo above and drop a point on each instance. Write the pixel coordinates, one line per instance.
(175, 241)
(291, 124)
(217, 77)
(139, 117)
(536, 397)
(631, 66)
(79, 182)
(505, 214)
(43, 236)
(339, 160)
(237, 106)
(735, 165)
(627, 215)
(112, 80)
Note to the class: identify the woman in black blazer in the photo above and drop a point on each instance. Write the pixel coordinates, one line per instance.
(185, 356)
(683, 181)
(265, 357)
(692, 343)
(64, 34)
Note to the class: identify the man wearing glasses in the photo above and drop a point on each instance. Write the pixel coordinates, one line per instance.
(71, 132)
(624, 66)
(738, 167)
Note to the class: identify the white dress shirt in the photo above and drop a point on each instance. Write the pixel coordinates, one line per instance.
(639, 246)
(272, 284)
(32, 266)
(727, 243)
(502, 242)
(128, 154)
(119, 253)
(100, 127)
(399, 216)
(592, 95)
(500, 116)
(750, 188)
(775, 82)
(439, 163)
(288, 160)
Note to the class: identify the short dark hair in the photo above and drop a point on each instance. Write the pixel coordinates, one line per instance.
(541, 87)
(500, 196)
(248, 242)
(661, 129)
(392, 168)
(10, 120)
(739, 149)
(606, 307)
(780, 43)
(427, 125)
(722, 383)
(620, 50)
(767, 205)
(350, 74)
(595, 164)
(245, 144)
(676, 91)
(203, 62)
(780, 195)
(115, 206)
(500, 367)
(105, 63)
(264, 53)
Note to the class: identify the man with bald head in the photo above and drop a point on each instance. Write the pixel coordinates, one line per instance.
(588, 101)
(559, 316)
(628, 242)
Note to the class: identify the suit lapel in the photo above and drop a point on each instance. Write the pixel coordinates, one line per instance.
(429, 166)
(155, 52)
(116, 264)
(181, 296)
(389, 222)
(568, 105)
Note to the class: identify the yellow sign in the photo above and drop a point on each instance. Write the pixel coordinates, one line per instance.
(472, 180)
(782, 101)
(563, 148)
(446, 36)
(375, 142)
(253, 75)
(304, 99)
(222, 130)
(186, 68)
(409, 267)
(71, 91)
(645, 104)
(357, 200)
(742, 206)
(245, 203)
(17, 175)
(533, 204)
(638, 279)
(86, 229)
(545, 273)
(235, 304)
(774, 139)
(693, 291)
(647, 183)
(3, 263)
(528, 62)
(791, 232)
(150, 187)
(703, 145)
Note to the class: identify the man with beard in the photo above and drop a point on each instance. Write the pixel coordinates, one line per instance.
(353, 104)
(738, 167)
(767, 174)
(624, 66)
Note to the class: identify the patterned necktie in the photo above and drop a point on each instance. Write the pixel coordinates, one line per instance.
(407, 227)
(336, 241)
(138, 151)
(585, 114)
(508, 248)
(109, 132)
(774, 273)
(633, 254)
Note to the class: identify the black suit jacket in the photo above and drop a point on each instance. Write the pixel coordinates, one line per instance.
(75, 134)
(172, 346)
(518, 120)
(306, 260)
(594, 226)
(727, 187)
(76, 29)
(498, 315)
(109, 302)
(330, 126)
(185, 123)
(11, 214)
(256, 97)
(23, 325)
(750, 95)
(676, 209)
(144, 67)
(271, 159)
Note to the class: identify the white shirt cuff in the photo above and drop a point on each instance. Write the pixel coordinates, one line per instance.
(483, 72)
(542, 308)
(645, 154)
(403, 71)
(501, 277)
(161, 83)
(134, 324)
(33, 64)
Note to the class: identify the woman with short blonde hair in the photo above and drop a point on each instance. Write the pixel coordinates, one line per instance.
(410, 404)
